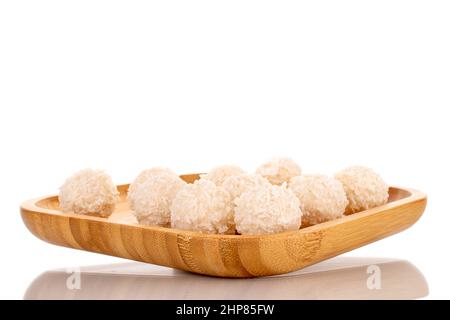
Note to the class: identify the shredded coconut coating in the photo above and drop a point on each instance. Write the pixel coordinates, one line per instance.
(145, 175)
(322, 198)
(365, 189)
(203, 206)
(89, 192)
(237, 185)
(219, 174)
(151, 195)
(279, 170)
(267, 209)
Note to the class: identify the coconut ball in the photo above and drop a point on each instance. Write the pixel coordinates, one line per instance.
(90, 192)
(267, 209)
(203, 206)
(322, 198)
(279, 170)
(364, 188)
(219, 174)
(151, 195)
(145, 175)
(237, 185)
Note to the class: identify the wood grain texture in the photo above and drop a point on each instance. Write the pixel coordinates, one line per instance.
(220, 255)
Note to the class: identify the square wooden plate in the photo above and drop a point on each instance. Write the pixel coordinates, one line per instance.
(234, 256)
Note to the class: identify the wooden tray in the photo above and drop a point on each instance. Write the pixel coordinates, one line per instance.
(220, 255)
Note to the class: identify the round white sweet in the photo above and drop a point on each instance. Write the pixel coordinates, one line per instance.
(267, 209)
(145, 175)
(219, 174)
(279, 170)
(203, 206)
(237, 185)
(364, 188)
(151, 194)
(90, 192)
(322, 198)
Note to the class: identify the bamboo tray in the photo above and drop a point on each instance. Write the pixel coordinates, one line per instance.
(233, 256)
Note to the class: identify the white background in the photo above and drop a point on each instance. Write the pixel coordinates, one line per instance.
(126, 85)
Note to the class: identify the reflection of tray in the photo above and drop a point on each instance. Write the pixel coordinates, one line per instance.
(220, 255)
(338, 278)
